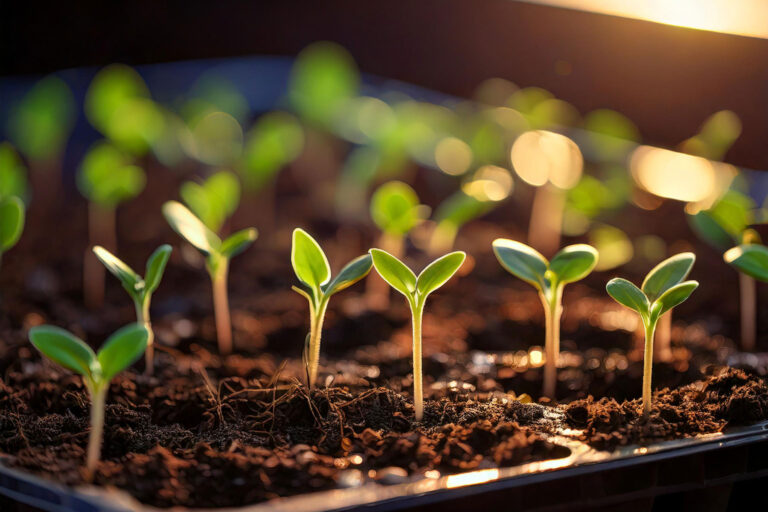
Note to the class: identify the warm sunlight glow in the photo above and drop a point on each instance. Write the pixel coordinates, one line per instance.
(475, 477)
(742, 17)
(489, 183)
(453, 156)
(540, 156)
(673, 175)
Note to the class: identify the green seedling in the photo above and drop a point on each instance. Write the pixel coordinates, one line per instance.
(323, 79)
(118, 104)
(107, 178)
(11, 222)
(750, 259)
(217, 253)
(416, 291)
(395, 210)
(451, 215)
(214, 200)
(13, 174)
(274, 141)
(119, 352)
(724, 225)
(139, 288)
(41, 122)
(663, 288)
(314, 272)
(570, 264)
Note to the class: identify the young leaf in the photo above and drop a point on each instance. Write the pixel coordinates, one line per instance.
(191, 228)
(393, 271)
(131, 280)
(395, 208)
(667, 274)
(156, 267)
(11, 222)
(751, 259)
(521, 261)
(62, 347)
(238, 242)
(13, 174)
(438, 272)
(627, 294)
(107, 177)
(676, 295)
(213, 200)
(574, 263)
(122, 349)
(309, 261)
(352, 272)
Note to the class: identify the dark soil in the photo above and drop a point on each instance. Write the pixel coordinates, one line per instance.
(729, 399)
(184, 441)
(207, 431)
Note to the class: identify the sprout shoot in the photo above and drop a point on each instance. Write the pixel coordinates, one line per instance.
(312, 269)
(214, 200)
(120, 351)
(217, 253)
(416, 291)
(663, 289)
(571, 264)
(451, 215)
(395, 209)
(722, 226)
(140, 289)
(107, 177)
(11, 222)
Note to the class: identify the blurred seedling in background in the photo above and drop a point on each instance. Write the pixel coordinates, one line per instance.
(217, 253)
(416, 290)
(323, 78)
(312, 269)
(450, 216)
(40, 125)
(663, 288)
(118, 104)
(140, 289)
(570, 264)
(119, 352)
(275, 140)
(11, 222)
(750, 259)
(214, 200)
(395, 209)
(553, 164)
(13, 174)
(724, 225)
(107, 177)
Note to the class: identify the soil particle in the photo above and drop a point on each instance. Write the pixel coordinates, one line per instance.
(731, 398)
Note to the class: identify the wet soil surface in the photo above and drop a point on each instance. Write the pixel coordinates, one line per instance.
(206, 431)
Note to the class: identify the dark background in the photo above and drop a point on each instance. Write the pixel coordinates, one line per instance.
(666, 79)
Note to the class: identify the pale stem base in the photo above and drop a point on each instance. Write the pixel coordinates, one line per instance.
(101, 230)
(221, 308)
(748, 300)
(553, 311)
(98, 399)
(142, 317)
(648, 367)
(315, 333)
(662, 342)
(418, 391)
(546, 224)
